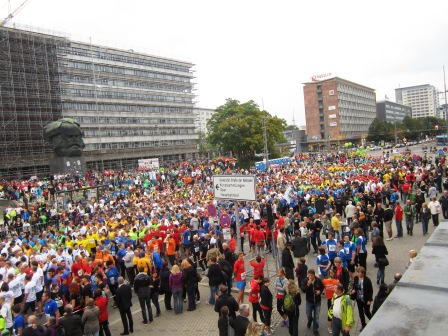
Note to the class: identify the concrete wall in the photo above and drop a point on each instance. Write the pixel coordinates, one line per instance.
(418, 304)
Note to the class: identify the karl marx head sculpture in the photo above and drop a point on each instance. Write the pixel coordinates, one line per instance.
(66, 137)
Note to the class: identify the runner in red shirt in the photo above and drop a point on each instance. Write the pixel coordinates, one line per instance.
(254, 297)
(258, 266)
(240, 277)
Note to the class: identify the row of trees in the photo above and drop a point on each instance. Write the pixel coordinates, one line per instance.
(410, 129)
(238, 128)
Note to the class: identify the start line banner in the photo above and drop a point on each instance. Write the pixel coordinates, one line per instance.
(148, 164)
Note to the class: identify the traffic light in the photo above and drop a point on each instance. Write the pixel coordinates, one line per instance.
(436, 127)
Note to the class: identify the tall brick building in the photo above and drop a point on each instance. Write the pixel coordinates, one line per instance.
(337, 110)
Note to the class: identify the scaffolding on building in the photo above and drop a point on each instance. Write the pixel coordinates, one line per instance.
(45, 76)
(29, 99)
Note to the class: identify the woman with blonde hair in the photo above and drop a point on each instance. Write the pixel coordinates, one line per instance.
(176, 286)
(293, 313)
(252, 329)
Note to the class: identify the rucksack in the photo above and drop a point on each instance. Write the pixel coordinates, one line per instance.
(288, 303)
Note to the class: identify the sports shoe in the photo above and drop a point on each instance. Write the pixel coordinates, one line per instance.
(389, 239)
(198, 302)
(260, 324)
(330, 331)
(268, 333)
(308, 325)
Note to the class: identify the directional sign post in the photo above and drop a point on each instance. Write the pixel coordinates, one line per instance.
(236, 188)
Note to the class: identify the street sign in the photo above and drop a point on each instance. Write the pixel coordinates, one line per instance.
(211, 210)
(226, 234)
(445, 149)
(234, 187)
(224, 220)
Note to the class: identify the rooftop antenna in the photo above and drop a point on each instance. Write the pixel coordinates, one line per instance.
(293, 120)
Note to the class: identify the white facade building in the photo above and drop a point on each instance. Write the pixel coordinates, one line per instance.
(201, 116)
(423, 99)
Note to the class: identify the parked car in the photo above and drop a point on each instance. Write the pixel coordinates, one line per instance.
(374, 148)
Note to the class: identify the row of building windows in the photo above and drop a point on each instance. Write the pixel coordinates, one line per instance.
(122, 71)
(342, 88)
(140, 144)
(121, 83)
(104, 54)
(137, 132)
(356, 106)
(124, 95)
(125, 108)
(132, 121)
(351, 98)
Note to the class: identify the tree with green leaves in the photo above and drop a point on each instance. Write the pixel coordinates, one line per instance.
(380, 130)
(238, 128)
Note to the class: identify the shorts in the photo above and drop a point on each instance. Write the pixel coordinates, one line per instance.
(388, 225)
(350, 267)
(240, 284)
(177, 248)
(267, 317)
(18, 299)
(29, 305)
(39, 296)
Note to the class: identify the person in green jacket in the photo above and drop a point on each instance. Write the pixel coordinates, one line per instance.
(341, 312)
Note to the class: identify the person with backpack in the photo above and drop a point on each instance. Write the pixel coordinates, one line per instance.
(341, 312)
(291, 305)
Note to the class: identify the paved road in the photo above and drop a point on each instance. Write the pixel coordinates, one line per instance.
(203, 321)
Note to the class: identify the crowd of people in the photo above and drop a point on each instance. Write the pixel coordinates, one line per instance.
(65, 255)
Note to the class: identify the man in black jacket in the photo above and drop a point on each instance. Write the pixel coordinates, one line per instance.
(228, 300)
(71, 322)
(313, 287)
(299, 245)
(215, 278)
(123, 297)
(362, 292)
(288, 262)
(141, 287)
(444, 203)
(242, 321)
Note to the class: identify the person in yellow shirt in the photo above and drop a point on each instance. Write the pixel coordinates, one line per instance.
(336, 225)
(145, 262)
(91, 241)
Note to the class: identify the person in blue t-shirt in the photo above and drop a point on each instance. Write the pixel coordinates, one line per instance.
(186, 236)
(331, 245)
(112, 275)
(19, 321)
(341, 253)
(323, 262)
(361, 250)
(50, 306)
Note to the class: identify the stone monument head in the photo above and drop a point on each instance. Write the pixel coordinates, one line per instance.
(66, 137)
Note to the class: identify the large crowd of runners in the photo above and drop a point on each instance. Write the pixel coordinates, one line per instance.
(69, 260)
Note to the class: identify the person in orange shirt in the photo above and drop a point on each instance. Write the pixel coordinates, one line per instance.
(107, 256)
(153, 244)
(329, 284)
(98, 256)
(170, 248)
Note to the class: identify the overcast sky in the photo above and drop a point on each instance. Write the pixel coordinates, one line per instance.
(265, 50)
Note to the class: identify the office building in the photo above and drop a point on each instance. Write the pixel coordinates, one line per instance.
(423, 99)
(130, 105)
(391, 112)
(337, 110)
(201, 117)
